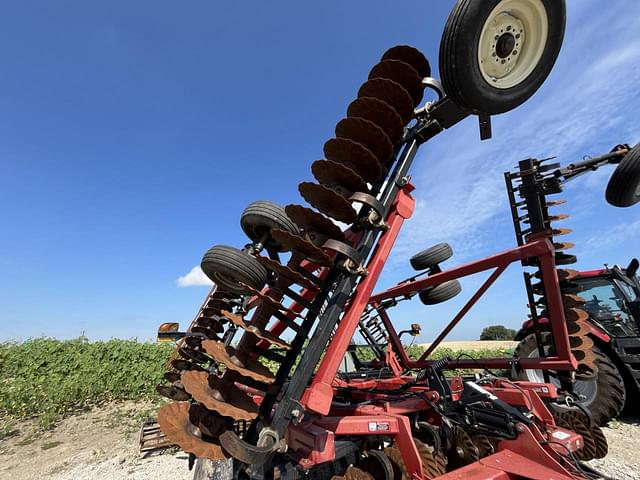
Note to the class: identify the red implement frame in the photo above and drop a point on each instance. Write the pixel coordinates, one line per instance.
(319, 395)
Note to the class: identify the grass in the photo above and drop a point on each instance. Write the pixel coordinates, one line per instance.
(46, 379)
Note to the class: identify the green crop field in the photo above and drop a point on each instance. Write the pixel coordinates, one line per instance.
(46, 379)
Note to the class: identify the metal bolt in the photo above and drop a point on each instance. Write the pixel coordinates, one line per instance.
(295, 413)
(520, 428)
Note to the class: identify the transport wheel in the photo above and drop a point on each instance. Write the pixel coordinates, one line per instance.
(623, 189)
(431, 257)
(604, 394)
(440, 293)
(259, 218)
(495, 54)
(228, 266)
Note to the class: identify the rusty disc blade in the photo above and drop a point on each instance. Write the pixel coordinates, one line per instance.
(368, 134)
(314, 224)
(379, 112)
(212, 323)
(557, 218)
(206, 331)
(259, 333)
(402, 73)
(172, 376)
(392, 93)
(271, 302)
(354, 473)
(578, 328)
(174, 422)
(173, 392)
(563, 245)
(410, 55)
(180, 364)
(296, 243)
(286, 272)
(602, 446)
(432, 464)
(570, 300)
(355, 155)
(228, 357)
(192, 342)
(328, 202)
(561, 231)
(332, 174)
(555, 203)
(575, 315)
(233, 402)
(193, 355)
(580, 342)
(567, 274)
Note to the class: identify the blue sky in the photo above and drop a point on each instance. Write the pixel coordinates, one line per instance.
(133, 134)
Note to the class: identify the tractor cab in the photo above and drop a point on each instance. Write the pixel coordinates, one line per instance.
(612, 298)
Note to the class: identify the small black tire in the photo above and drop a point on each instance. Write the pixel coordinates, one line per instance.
(431, 257)
(623, 189)
(440, 293)
(227, 266)
(262, 216)
(604, 394)
(488, 69)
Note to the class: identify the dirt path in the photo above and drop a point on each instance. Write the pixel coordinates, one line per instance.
(103, 445)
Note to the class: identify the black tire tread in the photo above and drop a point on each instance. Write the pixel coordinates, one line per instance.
(271, 211)
(440, 293)
(624, 181)
(235, 263)
(431, 257)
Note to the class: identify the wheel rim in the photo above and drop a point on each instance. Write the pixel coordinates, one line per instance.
(512, 42)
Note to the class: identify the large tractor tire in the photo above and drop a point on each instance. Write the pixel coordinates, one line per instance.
(604, 395)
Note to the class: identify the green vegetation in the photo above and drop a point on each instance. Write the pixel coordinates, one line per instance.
(498, 332)
(46, 379)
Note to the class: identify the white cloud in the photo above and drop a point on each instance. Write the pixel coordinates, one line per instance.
(614, 236)
(195, 278)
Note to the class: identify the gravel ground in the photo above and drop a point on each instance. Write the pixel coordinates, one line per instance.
(103, 445)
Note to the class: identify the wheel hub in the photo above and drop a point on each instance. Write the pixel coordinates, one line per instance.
(512, 42)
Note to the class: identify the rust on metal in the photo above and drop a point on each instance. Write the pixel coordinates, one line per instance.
(339, 177)
(379, 112)
(410, 55)
(173, 392)
(328, 202)
(262, 334)
(176, 425)
(367, 133)
(286, 272)
(296, 243)
(392, 93)
(233, 402)
(228, 356)
(355, 155)
(315, 225)
(402, 73)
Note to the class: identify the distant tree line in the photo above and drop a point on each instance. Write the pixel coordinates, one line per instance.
(497, 332)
